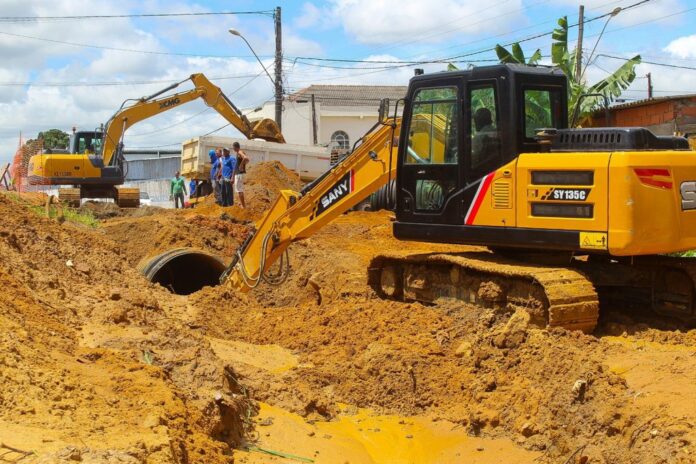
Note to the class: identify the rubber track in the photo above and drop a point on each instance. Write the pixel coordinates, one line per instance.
(572, 300)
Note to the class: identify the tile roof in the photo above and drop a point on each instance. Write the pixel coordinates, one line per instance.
(350, 95)
(650, 101)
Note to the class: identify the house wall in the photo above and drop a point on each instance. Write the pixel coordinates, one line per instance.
(297, 121)
(661, 117)
(354, 126)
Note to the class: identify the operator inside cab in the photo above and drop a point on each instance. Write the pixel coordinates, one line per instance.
(484, 138)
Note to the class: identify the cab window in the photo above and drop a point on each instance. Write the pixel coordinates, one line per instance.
(88, 143)
(485, 133)
(432, 136)
(541, 110)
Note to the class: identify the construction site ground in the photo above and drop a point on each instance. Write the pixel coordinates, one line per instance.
(98, 365)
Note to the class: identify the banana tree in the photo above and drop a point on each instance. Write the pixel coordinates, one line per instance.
(516, 55)
(610, 87)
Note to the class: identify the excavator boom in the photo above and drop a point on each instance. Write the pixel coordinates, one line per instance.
(211, 94)
(297, 215)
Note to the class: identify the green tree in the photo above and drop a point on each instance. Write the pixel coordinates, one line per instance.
(610, 87)
(517, 55)
(54, 138)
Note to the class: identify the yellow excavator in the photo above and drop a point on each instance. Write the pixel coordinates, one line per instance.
(95, 165)
(485, 157)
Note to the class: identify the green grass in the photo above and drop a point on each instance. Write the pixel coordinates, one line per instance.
(72, 215)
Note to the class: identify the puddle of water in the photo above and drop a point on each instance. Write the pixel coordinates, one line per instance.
(362, 437)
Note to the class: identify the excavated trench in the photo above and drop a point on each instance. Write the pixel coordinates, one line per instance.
(183, 270)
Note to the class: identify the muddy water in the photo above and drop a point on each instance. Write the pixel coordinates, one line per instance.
(359, 436)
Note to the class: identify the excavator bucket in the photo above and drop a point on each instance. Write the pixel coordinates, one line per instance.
(267, 129)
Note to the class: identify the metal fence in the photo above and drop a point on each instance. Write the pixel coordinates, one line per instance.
(152, 168)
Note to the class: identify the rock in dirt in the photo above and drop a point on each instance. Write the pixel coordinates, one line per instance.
(515, 331)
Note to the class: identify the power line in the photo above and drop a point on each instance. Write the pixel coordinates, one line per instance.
(448, 59)
(110, 83)
(23, 19)
(127, 50)
(667, 65)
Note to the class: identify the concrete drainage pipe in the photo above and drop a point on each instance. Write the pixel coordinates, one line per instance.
(183, 270)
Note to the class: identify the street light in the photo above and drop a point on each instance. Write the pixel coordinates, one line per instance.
(239, 34)
(614, 12)
(277, 82)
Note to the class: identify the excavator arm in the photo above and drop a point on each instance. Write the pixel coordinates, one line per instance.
(297, 215)
(147, 107)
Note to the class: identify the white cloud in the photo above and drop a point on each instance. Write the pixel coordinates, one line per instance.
(645, 12)
(310, 16)
(382, 22)
(683, 47)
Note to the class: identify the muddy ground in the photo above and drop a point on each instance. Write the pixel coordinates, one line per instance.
(99, 365)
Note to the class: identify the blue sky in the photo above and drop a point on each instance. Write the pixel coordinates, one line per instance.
(38, 77)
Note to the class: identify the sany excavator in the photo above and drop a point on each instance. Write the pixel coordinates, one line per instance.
(96, 167)
(484, 157)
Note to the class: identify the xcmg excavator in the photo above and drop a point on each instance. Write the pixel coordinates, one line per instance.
(96, 167)
(485, 157)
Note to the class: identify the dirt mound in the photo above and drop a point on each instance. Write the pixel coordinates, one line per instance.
(207, 227)
(106, 210)
(142, 237)
(262, 183)
(98, 362)
(549, 390)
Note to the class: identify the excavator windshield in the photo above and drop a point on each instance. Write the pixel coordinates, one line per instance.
(87, 142)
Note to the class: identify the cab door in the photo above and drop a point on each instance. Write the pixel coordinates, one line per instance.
(430, 178)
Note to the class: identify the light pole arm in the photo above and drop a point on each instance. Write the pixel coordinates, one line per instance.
(257, 57)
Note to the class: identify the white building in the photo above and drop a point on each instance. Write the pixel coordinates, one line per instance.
(343, 113)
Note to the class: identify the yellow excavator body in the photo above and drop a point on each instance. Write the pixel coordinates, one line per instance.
(568, 214)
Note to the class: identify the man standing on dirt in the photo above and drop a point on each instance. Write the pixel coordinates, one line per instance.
(215, 174)
(242, 161)
(229, 165)
(178, 189)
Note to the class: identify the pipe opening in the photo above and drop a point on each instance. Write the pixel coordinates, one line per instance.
(184, 271)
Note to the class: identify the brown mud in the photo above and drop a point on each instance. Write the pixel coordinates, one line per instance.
(99, 365)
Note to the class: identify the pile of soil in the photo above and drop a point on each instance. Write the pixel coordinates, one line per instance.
(552, 391)
(207, 226)
(262, 182)
(106, 210)
(98, 364)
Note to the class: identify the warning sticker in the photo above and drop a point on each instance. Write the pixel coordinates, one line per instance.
(593, 240)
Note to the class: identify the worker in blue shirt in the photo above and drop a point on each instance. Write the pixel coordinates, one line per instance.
(215, 156)
(229, 163)
(192, 188)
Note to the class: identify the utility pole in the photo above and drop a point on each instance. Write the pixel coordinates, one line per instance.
(314, 122)
(650, 87)
(278, 69)
(578, 50)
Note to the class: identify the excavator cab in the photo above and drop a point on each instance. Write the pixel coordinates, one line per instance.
(459, 127)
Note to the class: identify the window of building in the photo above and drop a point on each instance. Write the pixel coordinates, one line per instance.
(340, 139)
